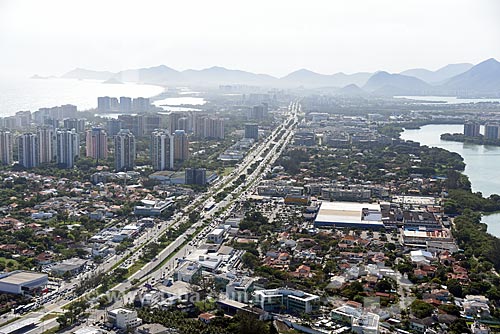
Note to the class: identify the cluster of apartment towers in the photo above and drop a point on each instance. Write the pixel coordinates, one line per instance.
(473, 129)
(62, 145)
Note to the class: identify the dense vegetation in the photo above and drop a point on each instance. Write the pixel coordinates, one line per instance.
(421, 309)
(255, 222)
(472, 236)
(480, 140)
(459, 200)
(75, 311)
(240, 324)
(375, 164)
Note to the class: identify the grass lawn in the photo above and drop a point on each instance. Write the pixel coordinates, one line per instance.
(49, 316)
(227, 171)
(135, 267)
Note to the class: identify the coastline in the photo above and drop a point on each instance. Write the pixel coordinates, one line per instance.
(459, 137)
(32, 94)
(473, 158)
(420, 124)
(494, 228)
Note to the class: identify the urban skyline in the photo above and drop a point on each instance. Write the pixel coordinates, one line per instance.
(209, 167)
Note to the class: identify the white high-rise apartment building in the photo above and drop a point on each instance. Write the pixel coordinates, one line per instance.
(162, 150)
(5, 147)
(124, 150)
(67, 147)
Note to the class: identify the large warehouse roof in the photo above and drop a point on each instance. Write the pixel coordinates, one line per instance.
(349, 214)
(22, 277)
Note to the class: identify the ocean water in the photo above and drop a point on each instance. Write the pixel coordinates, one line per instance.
(31, 94)
(177, 101)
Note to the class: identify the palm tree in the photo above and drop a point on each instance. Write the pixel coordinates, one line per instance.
(62, 320)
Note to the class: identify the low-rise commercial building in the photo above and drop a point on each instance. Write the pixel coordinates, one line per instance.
(124, 318)
(347, 193)
(361, 322)
(349, 215)
(297, 199)
(152, 208)
(238, 288)
(216, 236)
(177, 291)
(69, 267)
(293, 301)
(187, 272)
(22, 282)
(169, 177)
(419, 238)
(152, 329)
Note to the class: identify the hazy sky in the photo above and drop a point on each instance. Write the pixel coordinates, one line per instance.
(264, 36)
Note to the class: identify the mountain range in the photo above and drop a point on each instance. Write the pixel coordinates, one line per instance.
(383, 83)
(439, 76)
(482, 79)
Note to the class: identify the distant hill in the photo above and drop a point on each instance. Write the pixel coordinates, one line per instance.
(36, 76)
(359, 79)
(351, 90)
(383, 83)
(440, 75)
(453, 79)
(219, 75)
(304, 77)
(165, 75)
(152, 75)
(484, 78)
(112, 81)
(81, 73)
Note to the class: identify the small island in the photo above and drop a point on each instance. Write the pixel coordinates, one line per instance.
(479, 140)
(36, 76)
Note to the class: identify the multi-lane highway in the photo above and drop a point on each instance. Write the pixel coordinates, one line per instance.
(272, 149)
(270, 146)
(265, 152)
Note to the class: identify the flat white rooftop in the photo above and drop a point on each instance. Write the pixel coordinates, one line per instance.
(296, 294)
(421, 200)
(119, 310)
(88, 330)
(22, 277)
(348, 212)
(178, 288)
(232, 303)
(217, 232)
(439, 234)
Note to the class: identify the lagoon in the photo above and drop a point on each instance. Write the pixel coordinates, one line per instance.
(481, 162)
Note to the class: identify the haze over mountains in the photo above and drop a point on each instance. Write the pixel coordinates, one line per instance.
(383, 83)
(308, 78)
(462, 79)
(440, 75)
